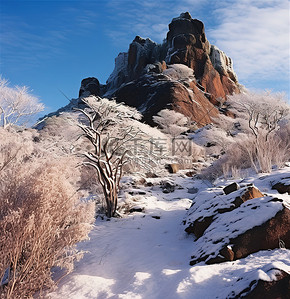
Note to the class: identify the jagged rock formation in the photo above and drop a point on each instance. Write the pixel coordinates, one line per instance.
(141, 78)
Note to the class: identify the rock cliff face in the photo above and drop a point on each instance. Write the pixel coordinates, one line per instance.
(148, 77)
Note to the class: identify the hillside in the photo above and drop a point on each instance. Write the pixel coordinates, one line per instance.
(170, 181)
(146, 253)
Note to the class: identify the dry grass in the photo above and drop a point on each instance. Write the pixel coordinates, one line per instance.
(250, 152)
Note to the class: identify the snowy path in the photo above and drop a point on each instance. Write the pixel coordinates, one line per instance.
(136, 257)
(139, 256)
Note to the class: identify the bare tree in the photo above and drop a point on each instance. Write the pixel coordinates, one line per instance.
(263, 111)
(108, 128)
(17, 106)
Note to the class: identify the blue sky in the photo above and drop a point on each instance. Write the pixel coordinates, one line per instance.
(51, 46)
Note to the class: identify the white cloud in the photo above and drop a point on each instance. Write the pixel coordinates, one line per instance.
(147, 19)
(256, 35)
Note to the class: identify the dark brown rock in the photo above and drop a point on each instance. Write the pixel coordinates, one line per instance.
(185, 25)
(154, 92)
(172, 168)
(266, 236)
(231, 188)
(228, 253)
(250, 193)
(199, 226)
(282, 187)
(275, 289)
(90, 86)
(263, 237)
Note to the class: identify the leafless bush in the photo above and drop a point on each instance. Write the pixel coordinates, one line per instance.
(262, 138)
(17, 106)
(253, 152)
(59, 135)
(41, 217)
(263, 112)
(171, 122)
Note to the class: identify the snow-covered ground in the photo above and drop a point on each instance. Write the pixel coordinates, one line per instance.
(146, 254)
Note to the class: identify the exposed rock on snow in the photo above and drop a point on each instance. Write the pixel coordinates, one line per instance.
(231, 188)
(282, 186)
(256, 225)
(202, 214)
(230, 227)
(274, 284)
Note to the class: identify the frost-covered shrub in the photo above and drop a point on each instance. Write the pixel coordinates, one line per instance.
(171, 122)
(179, 72)
(41, 216)
(60, 135)
(17, 105)
(259, 113)
(250, 152)
(213, 138)
(260, 134)
(185, 152)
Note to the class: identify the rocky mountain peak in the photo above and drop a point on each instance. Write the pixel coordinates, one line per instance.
(143, 76)
(184, 27)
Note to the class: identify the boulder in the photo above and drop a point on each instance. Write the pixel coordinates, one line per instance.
(265, 236)
(261, 289)
(90, 86)
(231, 188)
(172, 168)
(250, 192)
(283, 186)
(258, 224)
(219, 205)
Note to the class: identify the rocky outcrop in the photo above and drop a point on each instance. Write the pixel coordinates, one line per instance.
(282, 186)
(234, 225)
(222, 63)
(141, 79)
(261, 289)
(188, 45)
(197, 226)
(90, 86)
(154, 92)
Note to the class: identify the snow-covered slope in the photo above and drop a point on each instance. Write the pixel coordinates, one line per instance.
(146, 254)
